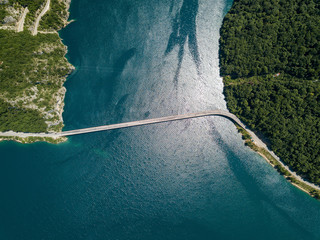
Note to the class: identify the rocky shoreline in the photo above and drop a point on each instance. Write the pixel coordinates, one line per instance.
(60, 97)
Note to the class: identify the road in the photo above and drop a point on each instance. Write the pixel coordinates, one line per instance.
(20, 24)
(43, 12)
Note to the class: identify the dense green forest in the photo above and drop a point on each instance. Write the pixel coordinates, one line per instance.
(261, 37)
(270, 61)
(29, 62)
(20, 119)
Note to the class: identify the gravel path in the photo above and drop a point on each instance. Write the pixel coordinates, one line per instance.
(43, 12)
(20, 24)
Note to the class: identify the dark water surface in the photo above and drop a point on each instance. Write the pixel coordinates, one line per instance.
(191, 179)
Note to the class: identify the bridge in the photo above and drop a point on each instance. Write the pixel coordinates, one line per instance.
(222, 113)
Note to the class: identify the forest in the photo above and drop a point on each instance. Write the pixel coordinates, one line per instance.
(20, 119)
(270, 62)
(261, 37)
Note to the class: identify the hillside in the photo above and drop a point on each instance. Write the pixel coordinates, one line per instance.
(270, 61)
(33, 69)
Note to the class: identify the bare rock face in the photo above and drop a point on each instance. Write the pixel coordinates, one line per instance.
(8, 19)
(4, 2)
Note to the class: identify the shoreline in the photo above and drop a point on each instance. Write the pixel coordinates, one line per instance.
(306, 186)
(269, 94)
(62, 91)
(26, 140)
(72, 68)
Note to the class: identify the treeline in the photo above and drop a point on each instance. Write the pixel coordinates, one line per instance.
(258, 40)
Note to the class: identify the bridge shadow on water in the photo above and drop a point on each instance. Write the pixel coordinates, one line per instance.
(183, 29)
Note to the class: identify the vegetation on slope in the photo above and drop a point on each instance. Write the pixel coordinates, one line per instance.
(32, 72)
(258, 40)
(55, 18)
(19, 119)
(52, 20)
(7, 10)
(33, 5)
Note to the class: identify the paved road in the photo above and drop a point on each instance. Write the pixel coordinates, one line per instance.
(43, 12)
(20, 24)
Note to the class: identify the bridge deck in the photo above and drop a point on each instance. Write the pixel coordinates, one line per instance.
(153, 121)
(221, 113)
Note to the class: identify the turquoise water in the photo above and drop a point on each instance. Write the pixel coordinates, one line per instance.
(192, 179)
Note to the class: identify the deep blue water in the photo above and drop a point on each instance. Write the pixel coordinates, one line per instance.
(192, 179)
